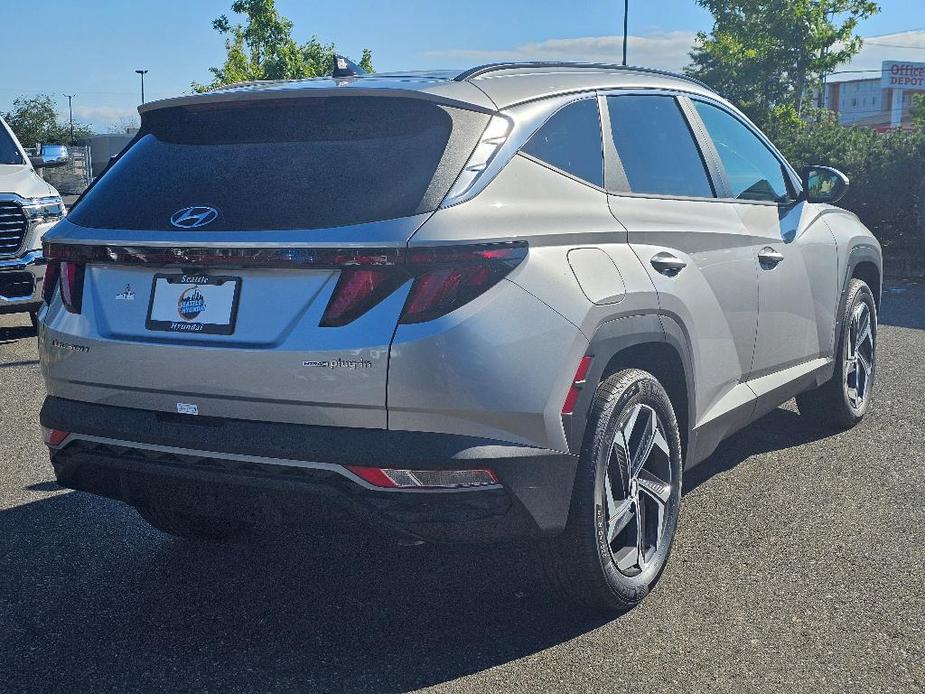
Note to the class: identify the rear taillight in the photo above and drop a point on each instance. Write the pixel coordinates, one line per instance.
(70, 277)
(52, 270)
(72, 285)
(449, 277)
(356, 292)
(445, 278)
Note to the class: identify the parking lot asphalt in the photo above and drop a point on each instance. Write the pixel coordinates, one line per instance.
(799, 567)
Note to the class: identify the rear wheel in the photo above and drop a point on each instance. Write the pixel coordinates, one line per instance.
(626, 499)
(192, 526)
(842, 401)
(34, 317)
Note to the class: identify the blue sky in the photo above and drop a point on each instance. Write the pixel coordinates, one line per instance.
(103, 41)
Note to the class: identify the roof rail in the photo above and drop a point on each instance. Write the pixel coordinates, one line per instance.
(480, 70)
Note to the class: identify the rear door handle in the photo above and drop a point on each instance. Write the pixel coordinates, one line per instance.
(769, 258)
(667, 264)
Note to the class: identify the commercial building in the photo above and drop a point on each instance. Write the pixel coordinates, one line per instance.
(881, 102)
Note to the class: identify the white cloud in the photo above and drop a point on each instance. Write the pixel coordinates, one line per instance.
(661, 50)
(906, 46)
(670, 51)
(102, 117)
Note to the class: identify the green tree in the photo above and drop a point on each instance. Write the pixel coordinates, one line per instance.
(770, 53)
(34, 119)
(262, 48)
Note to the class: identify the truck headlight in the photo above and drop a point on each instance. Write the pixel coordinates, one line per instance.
(42, 210)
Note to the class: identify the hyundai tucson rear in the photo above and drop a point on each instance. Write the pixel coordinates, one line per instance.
(420, 302)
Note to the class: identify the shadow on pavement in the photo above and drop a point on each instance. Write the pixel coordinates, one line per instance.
(96, 600)
(15, 332)
(903, 305)
(778, 430)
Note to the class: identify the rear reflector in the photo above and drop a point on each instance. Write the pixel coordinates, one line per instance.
(581, 373)
(54, 437)
(424, 479)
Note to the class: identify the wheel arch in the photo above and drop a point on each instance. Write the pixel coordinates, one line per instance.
(651, 342)
(869, 272)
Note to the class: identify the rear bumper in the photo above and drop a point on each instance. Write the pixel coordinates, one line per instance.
(294, 473)
(21, 282)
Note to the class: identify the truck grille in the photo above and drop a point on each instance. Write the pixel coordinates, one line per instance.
(13, 227)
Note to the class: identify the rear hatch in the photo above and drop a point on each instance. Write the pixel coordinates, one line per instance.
(234, 260)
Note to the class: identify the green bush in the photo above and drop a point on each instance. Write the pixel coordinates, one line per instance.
(887, 171)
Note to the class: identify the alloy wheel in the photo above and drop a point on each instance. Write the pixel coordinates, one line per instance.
(637, 489)
(859, 356)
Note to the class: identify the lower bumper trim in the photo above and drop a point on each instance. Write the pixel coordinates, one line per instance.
(295, 471)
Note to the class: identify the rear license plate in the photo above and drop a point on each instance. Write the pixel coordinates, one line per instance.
(194, 304)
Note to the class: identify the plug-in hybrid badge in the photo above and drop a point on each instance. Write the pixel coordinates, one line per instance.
(194, 217)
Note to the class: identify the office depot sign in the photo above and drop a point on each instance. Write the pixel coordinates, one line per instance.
(900, 75)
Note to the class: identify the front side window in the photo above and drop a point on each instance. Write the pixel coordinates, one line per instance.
(656, 147)
(571, 141)
(754, 172)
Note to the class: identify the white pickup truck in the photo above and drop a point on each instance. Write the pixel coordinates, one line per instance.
(28, 208)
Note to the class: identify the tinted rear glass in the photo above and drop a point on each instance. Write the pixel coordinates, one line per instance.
(290, 164)
(571, 141)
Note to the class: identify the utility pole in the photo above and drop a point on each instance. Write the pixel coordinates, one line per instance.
(70, 115)
(142, 73)
(626, 25)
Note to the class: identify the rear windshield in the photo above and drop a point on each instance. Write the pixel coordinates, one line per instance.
(287, 164)
(9, 152)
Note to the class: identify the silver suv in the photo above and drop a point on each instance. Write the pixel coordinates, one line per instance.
(515, 302)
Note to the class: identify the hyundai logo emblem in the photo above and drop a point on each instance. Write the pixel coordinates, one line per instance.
(194, 217)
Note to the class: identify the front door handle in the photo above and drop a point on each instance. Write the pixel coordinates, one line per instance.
(667, 264)
(769, 258)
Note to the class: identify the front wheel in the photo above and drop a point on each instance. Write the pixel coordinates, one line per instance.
(842, 402)
(626, 499)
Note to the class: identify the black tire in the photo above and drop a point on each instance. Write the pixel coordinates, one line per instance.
(34, 317)
(581, 565)
(831, 404)
(191, 526)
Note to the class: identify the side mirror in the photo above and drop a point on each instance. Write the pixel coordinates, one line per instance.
(824, 184)
(51, 156)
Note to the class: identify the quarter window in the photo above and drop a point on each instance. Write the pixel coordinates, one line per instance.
(754, 172)
(571, 141)
(656, 147)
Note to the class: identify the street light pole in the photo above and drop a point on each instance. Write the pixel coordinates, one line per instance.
(70, 115)
(626, 19)
(142, 73)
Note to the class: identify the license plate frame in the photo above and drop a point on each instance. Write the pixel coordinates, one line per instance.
(192, 282)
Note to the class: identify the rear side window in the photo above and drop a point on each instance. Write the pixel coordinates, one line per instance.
(571, 141)
(753, 171)
(305, 163)
(656, 147)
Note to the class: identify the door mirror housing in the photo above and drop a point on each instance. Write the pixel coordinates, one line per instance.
(50, 157)
(824, 184)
